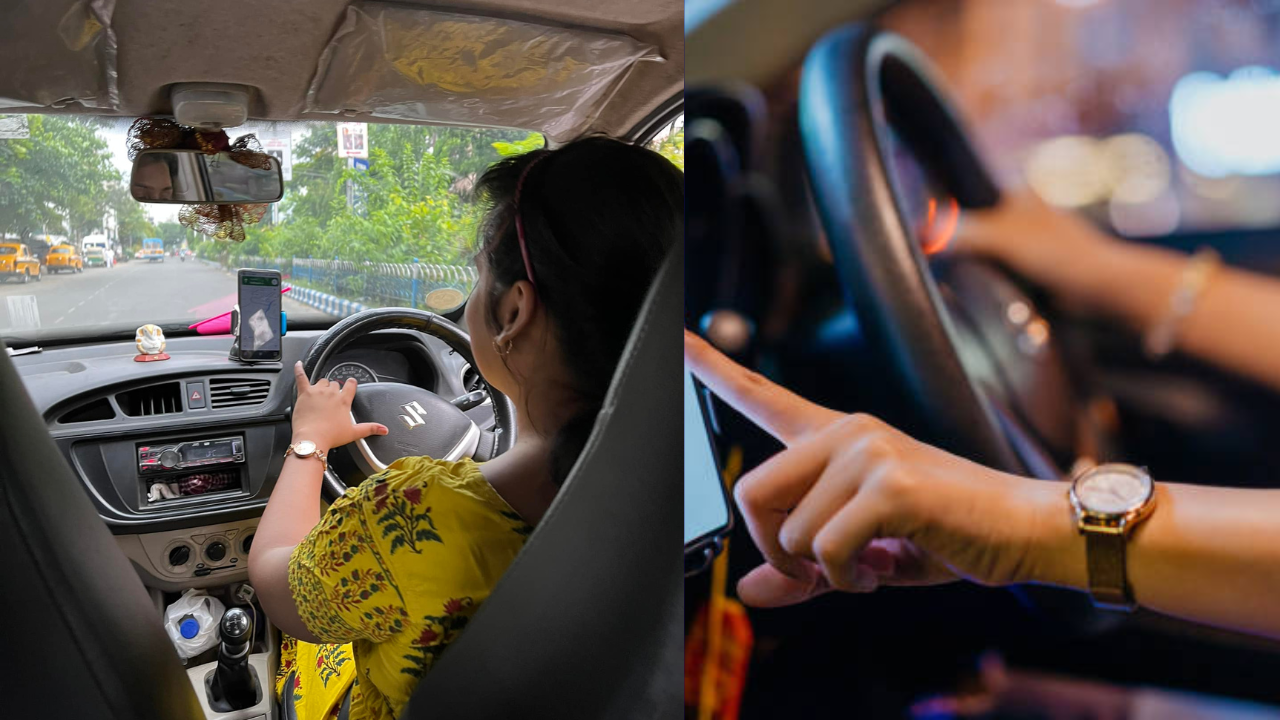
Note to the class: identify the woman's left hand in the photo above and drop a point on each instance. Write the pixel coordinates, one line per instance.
(853, 504)
(322, 413)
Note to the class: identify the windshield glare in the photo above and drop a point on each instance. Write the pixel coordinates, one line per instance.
(373, 215)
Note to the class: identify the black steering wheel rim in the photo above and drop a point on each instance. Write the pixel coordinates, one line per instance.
(347, 330)
(844, 109)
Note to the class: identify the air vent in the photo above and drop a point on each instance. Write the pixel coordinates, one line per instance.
(471, 380)
(237, 392)
(99, 409)
(163, 399)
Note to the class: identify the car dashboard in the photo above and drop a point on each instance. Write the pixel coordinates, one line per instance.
(180, 457)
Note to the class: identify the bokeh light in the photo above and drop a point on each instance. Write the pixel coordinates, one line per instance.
(1068, 171)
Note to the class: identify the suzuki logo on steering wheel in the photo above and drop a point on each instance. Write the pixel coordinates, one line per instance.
(414, 417)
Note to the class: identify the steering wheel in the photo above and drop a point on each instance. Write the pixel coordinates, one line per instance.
(982, 373)
(419, 422)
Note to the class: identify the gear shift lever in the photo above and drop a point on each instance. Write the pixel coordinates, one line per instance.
(234, 684)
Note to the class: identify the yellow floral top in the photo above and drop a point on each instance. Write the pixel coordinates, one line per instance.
(388, 578)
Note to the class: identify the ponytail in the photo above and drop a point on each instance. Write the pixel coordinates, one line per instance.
(593, 224)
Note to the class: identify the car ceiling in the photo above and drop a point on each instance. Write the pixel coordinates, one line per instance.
(755, 41)
(274, 46)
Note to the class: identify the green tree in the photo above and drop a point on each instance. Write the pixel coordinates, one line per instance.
(414, 201)
(670, 142)
(172, 232)
(56, 180)
(533, 141)
(132, 223)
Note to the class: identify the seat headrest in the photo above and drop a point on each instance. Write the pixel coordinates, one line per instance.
(587, 622)
(91, 643)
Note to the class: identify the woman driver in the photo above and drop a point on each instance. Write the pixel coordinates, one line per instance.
(852, 504)
(375, 590)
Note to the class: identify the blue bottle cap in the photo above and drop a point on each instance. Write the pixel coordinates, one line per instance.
(189, 627)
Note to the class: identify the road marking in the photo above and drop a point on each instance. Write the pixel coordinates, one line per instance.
(86, 299)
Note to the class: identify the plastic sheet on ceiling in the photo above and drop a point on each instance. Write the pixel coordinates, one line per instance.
(408, 63)
(77, 63)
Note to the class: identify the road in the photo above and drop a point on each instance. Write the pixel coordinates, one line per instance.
(130, 293)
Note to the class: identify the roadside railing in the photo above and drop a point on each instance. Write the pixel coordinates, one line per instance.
(425, 286)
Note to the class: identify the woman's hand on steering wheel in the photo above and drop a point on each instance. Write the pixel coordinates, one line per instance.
(853, 504)
(322, 413)
(1034, 240)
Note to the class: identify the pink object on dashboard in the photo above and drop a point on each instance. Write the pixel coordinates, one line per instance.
(221, 324)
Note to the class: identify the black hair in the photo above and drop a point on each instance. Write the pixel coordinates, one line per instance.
(168, 158)
(599, 216)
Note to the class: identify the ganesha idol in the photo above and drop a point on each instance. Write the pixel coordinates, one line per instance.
(150, 342)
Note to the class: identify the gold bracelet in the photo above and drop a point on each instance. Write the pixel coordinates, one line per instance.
(1163, 336)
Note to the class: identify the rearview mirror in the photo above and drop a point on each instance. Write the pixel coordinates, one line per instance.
(191, 176)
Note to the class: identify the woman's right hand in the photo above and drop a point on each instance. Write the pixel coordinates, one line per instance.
(322, 413)
(853, 504)
(1031, 238)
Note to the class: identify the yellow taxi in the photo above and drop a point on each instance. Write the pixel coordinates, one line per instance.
(64, 258)
(17, 261)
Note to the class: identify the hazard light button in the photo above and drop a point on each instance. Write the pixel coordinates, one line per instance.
(195, 395)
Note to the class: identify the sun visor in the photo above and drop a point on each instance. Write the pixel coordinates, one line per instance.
(76, 60)
(408, 63)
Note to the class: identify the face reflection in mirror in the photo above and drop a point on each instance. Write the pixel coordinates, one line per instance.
(188, 176)
(153, 178)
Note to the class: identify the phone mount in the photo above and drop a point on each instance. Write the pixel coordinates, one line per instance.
(234, 354)
(698, 557)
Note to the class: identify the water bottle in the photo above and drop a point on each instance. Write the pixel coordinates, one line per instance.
(192, 622)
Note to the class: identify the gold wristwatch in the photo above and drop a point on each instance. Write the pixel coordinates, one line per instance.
(305, 449)
(1109, 500)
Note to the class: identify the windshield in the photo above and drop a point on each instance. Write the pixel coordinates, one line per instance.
(59, 251)
(1150, 118)
(8, 250)
(373, 215)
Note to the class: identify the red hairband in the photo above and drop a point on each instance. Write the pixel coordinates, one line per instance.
(524, 248)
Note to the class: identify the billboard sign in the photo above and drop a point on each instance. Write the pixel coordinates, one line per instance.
(353, 140)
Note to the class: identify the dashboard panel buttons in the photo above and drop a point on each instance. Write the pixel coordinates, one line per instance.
(179, 555)
(216, 551)
(195, 395)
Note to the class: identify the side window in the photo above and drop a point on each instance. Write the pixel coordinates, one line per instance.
(669, 142)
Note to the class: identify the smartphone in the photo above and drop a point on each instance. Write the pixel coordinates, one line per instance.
(708, 515)
(259, 314)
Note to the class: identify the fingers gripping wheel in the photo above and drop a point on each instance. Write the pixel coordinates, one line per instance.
(419, 421)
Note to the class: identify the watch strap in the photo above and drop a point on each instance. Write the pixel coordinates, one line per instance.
(1108, 580)
(324, 462)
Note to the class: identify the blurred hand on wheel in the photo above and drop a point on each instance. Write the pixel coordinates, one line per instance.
(322, 413)
(852, 504)
(1031, 238)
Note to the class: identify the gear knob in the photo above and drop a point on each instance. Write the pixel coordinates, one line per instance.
(236, 628)
(234, 685)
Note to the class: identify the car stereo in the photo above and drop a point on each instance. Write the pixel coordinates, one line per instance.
(201, 454)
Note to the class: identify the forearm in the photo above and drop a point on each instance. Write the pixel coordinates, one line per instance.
(292, 511)
(294, 507)
(1206, 554)
(1232, 324)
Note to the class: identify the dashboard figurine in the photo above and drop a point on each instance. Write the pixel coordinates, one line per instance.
(150, 342)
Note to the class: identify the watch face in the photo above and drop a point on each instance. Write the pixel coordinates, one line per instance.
(1113, 489)
(304, 448)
